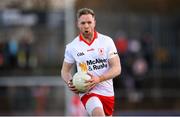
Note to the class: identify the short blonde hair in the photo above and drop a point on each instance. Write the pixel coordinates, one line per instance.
(85, 11)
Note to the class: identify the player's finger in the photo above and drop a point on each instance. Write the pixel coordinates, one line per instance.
(92, 86)
(89, 81)
(89, 74)
(86, 84)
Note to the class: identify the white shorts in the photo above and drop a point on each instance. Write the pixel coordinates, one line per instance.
(92, 103)
(92, 100)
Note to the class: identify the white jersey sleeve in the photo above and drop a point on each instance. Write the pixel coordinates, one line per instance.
(68, 55)
(112, 51)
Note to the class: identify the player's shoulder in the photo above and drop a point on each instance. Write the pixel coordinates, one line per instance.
(73, 43)
(104, 37)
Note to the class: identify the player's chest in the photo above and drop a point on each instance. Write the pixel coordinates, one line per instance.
(88, 52)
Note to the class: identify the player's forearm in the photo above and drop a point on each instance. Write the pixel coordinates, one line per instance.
(115, 69)
(66, 72)
(112, 73)
(66, 76)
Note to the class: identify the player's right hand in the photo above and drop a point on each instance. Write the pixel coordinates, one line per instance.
(72, 87)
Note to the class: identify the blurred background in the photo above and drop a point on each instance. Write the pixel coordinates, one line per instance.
(33, 34)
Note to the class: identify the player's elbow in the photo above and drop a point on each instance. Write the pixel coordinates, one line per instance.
(116, 72)
(119, 70)
(117, 67)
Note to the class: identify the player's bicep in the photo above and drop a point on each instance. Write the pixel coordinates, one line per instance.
(114, 62)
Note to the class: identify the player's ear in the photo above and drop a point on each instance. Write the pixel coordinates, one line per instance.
(94, 23)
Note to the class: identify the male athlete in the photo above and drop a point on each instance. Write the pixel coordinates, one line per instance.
(95, 54)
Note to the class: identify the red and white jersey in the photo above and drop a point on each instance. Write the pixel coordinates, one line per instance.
(93, 58)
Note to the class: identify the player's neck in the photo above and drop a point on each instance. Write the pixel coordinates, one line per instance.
(88, 37)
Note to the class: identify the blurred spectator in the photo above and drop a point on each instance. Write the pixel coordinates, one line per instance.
(2, 58)
(134, 47)
(121, 43)
(162, 57)
(13, 50)
(26, 59)
(139, 67)
(136, 55)
(134, 70)
(147, 48)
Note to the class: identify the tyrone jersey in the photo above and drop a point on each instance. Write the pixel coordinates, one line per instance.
(93, 58)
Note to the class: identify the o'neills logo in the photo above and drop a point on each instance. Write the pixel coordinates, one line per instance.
(80, 54)
(96, 64)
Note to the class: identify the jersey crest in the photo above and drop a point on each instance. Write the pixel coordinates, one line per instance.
(83, 67)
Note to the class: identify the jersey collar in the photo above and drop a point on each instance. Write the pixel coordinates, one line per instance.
(81, 38)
